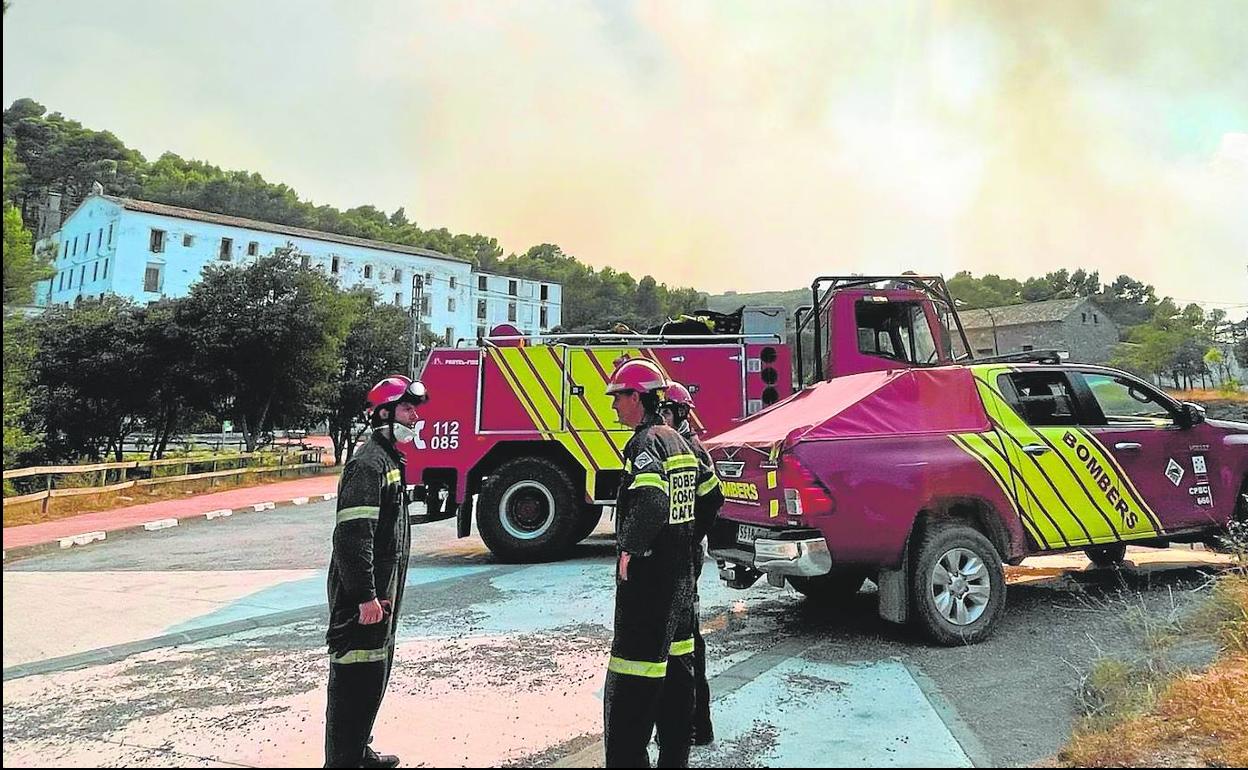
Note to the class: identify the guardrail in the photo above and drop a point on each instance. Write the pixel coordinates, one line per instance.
(306, 458)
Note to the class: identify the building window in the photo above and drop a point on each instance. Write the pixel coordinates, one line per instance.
(544, 317)
(452, 282)
(95, 272)
(1095, 318)
(253, 249)
(105, 276)
(99, 239)
(398, 299)
(87, 248)
(75, 253)
(545, 292)
(110, 233)
(333, 265)
(450, 335)
(60, 283)
(429, 279)
(983, 351)
(511, 289)
(398, 276)
(1029, 347)
(157, 242)
(82, 274)
(151, 278)
(65, 250)
(480, 332)
(511, 310)
(188, 240)
(483, 283)
(227, 249)
(450, 304)
(1085, 318)
(424, 305)
(481, 308)
(368, 271)
(305, 261)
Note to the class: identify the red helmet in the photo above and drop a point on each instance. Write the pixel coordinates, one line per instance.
(678, 395)
(394, 389)
(637, 374)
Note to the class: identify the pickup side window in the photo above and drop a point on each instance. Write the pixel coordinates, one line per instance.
(1123, 401)
(1042, 398)
(894, 330)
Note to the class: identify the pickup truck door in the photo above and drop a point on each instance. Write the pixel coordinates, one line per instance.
(1175, 468)
(1069, 486)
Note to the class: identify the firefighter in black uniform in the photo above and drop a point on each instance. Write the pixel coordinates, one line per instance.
(654, 572)
(675, 410)
(372, 542)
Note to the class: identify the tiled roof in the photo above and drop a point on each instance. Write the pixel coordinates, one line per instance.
(162, 209)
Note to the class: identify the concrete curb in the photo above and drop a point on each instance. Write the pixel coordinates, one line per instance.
(35, 549)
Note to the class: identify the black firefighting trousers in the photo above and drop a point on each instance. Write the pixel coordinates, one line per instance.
(677, 704)
(650, 608)
(356, 687)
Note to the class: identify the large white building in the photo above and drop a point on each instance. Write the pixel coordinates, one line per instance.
(146, 251)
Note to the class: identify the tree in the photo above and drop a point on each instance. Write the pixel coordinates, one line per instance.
(266, 337)
(22, 267)
(20, 437)
(87, 392)
(376, 346)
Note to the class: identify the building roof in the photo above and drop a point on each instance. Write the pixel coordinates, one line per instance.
(162, 209)
(1049, 311)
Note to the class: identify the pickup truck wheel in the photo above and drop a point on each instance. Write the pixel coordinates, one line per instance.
(832, 587)
(590, 515)
(957, 584)
(1106, 555)
(527, 510)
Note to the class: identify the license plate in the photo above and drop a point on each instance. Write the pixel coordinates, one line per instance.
(746, 534)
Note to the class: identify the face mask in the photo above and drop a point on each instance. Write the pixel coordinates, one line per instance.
(403, 434)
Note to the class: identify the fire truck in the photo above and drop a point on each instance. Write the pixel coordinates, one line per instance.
(519, 429)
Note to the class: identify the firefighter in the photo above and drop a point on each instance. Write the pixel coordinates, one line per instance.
(654, 573)
(367, 572)
(676, 410)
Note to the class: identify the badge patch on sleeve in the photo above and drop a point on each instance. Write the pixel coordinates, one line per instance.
(644, 459)
(683, 493)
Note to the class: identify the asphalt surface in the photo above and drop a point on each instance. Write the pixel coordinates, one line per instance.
(502, 664)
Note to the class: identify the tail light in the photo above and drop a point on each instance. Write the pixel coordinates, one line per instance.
(804, 495)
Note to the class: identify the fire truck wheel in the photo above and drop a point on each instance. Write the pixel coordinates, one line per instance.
(527, 510)
(590, 515)
(1106, 555)
(957, 584)
(830, 588)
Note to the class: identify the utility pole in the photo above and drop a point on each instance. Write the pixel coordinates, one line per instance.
(418, 297)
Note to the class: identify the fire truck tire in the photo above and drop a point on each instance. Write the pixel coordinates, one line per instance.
(588, 522)
(957, 584)
(526, 511)
(834, 587)
(1106, 555)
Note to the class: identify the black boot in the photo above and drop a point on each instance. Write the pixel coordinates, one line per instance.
(373, 759)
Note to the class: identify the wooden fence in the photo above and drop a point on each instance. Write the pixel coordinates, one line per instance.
(302, 460)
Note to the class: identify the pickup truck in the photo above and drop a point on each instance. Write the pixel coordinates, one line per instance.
(928, 479)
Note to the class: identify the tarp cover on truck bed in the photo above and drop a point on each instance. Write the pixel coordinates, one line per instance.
(938, 400)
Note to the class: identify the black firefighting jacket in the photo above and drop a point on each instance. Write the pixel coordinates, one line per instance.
(372, 542)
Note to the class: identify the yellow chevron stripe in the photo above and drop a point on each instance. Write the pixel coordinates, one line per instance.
(977, 446)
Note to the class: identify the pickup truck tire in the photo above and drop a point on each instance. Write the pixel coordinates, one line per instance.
(527, 510)
(957, 584)
(1106, 555)
(587, 522)
(830, 588)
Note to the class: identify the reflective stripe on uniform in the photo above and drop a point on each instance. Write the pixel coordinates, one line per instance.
(676, 462)
(392, 476)
(683, 647)
(708, 486)
(359, 512)
(360, 656)
(638, 668)
(649, 480)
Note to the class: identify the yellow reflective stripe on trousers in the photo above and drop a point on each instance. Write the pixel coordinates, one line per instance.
(638, 668)
(683, 647)
(392, 476)
(359, 656)
(708, 486)
(676, 462)
(649, 480)
(359, 512)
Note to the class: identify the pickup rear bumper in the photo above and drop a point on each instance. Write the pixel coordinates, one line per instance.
(791, 552)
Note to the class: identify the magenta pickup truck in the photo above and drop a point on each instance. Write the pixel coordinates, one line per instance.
(927, 480)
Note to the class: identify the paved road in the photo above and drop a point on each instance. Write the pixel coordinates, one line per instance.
(503, 664)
